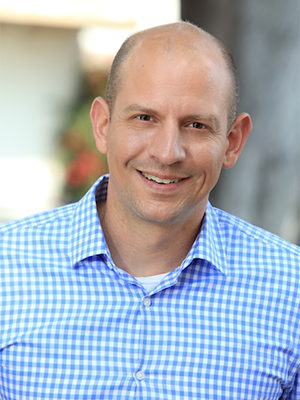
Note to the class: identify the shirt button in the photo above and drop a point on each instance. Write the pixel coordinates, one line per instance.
(147, 301)
(140, 375)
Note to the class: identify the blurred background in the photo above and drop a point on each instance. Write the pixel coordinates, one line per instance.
(55, 59)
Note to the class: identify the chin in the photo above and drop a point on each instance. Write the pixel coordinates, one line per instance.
(162, 219)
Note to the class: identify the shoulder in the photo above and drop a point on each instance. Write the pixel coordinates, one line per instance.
(234, 228)
(255, 253)
(49, 222)
(57, 214)
(261, 262)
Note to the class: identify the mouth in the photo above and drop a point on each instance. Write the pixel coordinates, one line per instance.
(160, 180)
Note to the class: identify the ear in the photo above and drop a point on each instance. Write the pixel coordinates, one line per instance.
(236, 139)
(100, 121)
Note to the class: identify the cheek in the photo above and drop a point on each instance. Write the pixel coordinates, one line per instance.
(122, 146)
(210, 158)
(218, 157)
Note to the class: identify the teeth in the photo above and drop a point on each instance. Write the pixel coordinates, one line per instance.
(158, 180)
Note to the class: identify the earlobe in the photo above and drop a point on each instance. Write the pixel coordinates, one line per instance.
(236, 139)
(99, 115)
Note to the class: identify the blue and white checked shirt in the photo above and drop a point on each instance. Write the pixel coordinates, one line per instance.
(223, 325)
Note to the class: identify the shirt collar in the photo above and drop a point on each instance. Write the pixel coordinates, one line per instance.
(87, 238)
(209, 243)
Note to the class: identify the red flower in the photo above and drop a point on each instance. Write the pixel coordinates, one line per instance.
(86, 166)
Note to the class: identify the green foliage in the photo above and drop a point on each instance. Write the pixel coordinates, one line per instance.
(83, 163)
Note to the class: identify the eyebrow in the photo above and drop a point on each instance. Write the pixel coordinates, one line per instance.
(137, 107)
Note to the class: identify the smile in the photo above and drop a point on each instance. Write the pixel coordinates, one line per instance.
(159, 180)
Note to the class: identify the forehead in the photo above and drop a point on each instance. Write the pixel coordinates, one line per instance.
(191, 45)
(174, 61)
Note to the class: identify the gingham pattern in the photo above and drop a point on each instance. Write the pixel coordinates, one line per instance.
(224, 325)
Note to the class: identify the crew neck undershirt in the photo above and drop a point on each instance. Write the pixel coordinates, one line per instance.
(149, 282)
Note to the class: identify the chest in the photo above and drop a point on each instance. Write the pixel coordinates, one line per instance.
(191, 343)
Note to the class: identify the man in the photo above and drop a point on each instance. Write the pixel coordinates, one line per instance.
(142, 289)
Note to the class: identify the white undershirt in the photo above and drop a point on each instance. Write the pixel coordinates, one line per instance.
(149, 282)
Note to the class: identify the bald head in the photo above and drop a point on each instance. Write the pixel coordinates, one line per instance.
(182, 39)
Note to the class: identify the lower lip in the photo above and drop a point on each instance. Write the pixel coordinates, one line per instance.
(162, 187)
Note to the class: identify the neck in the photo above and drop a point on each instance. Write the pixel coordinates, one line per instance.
(146, 249)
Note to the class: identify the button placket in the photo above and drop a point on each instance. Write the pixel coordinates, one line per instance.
(140, 375)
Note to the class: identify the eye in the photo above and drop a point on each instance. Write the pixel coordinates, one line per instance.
(197, 125)
(144, 117)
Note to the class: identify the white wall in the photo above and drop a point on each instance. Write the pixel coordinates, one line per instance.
(39, 78)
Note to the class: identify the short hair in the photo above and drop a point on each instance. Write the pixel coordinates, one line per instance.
(125, 51)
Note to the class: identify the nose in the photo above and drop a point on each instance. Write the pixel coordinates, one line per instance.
(167, 144)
